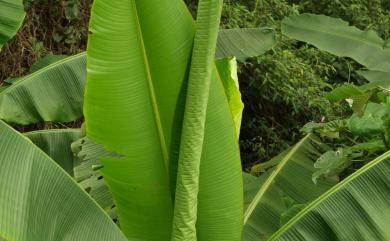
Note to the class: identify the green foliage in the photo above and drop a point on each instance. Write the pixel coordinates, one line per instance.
(40, 201)
(282, 89)
(356, 208)
(364, 135)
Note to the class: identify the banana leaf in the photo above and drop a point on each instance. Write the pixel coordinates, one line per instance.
(244, 43)
(60, 81)
(134, 106)
(285, 184)
(337, 37)
(77, 156)
(56, 144)
(53, 93)
(355, 209)
(40, 201)
(11, 17)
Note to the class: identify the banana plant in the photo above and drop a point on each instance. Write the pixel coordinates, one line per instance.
(355, 209)
(337, 37)
(11, 18)
(280, 191)
(54, 90)
(284, 204)
(134, 106)
(40, 201)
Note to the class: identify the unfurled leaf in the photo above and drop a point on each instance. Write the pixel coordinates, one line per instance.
(290, 179)
(46, 61)
(337, 37)
(11, 17)
(355, 209)
(57, 144)
(244, 43)
(53, 93)
(40, 201)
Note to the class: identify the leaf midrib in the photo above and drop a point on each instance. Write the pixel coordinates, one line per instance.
(152, 94)
(259, 195)
(331, 191)
(57, 63)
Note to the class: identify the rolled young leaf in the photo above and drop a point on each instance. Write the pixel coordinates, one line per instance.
(192, 138)
(40, 201)
(134, 106)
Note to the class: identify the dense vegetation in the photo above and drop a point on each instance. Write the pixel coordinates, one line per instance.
(147, 122)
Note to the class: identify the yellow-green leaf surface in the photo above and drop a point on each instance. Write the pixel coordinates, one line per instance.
(337, 37)
(355, 209)
(288, 184)
(11, 17)
(134, 105)
(40, 201)
(227, 69)
(53, 93)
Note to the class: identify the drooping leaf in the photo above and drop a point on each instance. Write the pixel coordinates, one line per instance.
(134, 107)
(373, 76)
(57, 145)
(11, 17)
(45, 61)
(355, 209)
(290, 179)
(227, 69)
(377, 79)
(40, 201)
(244, 43)
(53, 93)
(337, 37)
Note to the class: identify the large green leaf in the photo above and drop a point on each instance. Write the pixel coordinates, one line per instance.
(193, 132)
(71, 72)
(56, 144)
(244, 43)
(53, 93)
(134, 106)
(283, 188)
(355, 209)
(11, 17)
(77, 156)
(88, 158)
(337, 37)
(39, 201)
